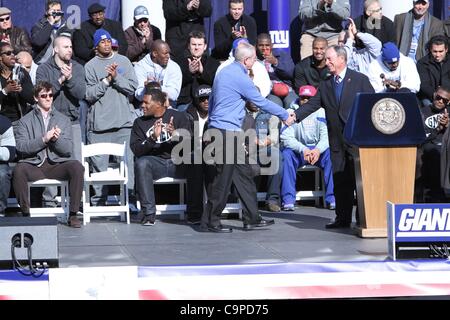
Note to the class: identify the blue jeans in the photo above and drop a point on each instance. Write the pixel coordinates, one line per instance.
(291, 162)
(148, 169)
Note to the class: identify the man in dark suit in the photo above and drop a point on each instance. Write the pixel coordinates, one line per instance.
(336, 96)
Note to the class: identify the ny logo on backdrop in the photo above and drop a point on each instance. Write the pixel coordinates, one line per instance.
(280, 38)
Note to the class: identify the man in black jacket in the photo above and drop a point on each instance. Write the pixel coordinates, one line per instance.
(47, 29)
(183, 17)
(83, 39)
(428, 176)
(313, 69)
(372, 21)
(197, 67)
(434, 68)
(16, 37)
(336, 96)
(198, 175)
(152, 142)
(232, 26)
(16, 88)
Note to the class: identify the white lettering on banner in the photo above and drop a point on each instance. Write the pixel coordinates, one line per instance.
(74, 17)
(280, 38)
(427, 219)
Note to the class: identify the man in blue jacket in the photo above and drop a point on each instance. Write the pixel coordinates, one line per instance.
(232, 87)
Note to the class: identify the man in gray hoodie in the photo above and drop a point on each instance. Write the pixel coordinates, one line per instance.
(111, 82)
(69, 87)
(68, 81)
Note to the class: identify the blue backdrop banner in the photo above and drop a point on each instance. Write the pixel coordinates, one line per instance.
(279, 21)
(26, 13)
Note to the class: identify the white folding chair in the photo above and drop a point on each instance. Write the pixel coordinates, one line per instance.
(62, 212)
(112, 176)
(172, 208)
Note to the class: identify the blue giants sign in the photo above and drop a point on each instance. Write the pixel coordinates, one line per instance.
(279, 19)
(418, 224)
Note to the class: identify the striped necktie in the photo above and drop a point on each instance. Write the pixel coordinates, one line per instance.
(338, 85)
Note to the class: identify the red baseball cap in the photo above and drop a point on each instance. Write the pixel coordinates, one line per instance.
(307, 91)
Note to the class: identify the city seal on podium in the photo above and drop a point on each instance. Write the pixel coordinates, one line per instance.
(388, 116)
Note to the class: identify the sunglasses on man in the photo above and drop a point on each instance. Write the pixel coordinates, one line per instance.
(45, 95)
(7, 53)
(444, 100)
(5, 19)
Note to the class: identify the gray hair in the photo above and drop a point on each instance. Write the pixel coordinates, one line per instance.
(243, 50)
(368, 3)
(340, 51)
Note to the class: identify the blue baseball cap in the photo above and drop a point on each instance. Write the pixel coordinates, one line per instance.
(99, 35)
(390, 53)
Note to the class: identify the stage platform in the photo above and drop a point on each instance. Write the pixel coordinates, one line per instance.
(298, 236)
(297, 258)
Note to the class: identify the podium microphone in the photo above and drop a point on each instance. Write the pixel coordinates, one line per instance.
(382, 76)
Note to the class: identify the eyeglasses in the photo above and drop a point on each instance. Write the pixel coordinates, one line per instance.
(7, 53)
(201, 99)
(5, 19)
(142, 20)
(45, 95)
(444, 100)
(376, 10)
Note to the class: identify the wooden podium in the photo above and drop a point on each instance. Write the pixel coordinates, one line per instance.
(385, 167)
(382, 174)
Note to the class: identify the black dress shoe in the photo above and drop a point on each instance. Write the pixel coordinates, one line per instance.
(337, 225)
(217, 229)
(259, 224)
(193, 221)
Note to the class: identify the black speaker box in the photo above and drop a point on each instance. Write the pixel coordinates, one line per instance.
(422, 250)
(40, 234)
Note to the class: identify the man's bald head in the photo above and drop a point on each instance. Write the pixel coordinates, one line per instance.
(25, 59)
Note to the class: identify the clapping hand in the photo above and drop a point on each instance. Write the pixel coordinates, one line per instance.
(170, 128)
(157, 128)
(235, 33)
(112, 71)
(193, 4)
(13, 86)
(195, 65)
(66, 71)
(52, 135)
(443, 119)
